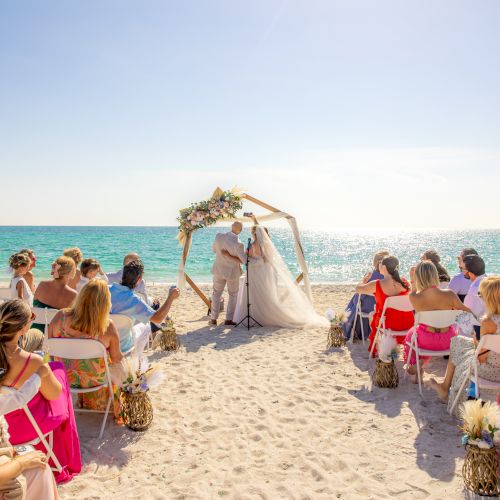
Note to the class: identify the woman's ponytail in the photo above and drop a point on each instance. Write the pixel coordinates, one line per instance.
(391, 263)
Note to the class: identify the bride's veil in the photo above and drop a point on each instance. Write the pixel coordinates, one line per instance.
(289, 292)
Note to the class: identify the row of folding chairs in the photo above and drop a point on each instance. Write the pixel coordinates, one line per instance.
(435, 319)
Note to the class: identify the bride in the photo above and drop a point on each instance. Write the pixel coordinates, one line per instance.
(275, 297)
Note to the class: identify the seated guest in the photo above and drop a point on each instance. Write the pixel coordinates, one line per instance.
(125, 301)
(56, 293)
(463, 349)
(459, 283)
(433, 256)
(391, 285)
(77, 256)
(474, 270)
(89, 269)
(52, 407)
(28, 475)
(20, 263)
(29, 277)
(141, 286)
(367, 301)
(88, 318)
(427, 296)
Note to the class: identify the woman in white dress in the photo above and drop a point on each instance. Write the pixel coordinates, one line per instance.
(20, 264)
(276, 299)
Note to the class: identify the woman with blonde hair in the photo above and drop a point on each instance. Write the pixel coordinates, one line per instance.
(20, 263)
(427, 296)
(462, 349)
(77, 256)
(89, 318)
(56, 293)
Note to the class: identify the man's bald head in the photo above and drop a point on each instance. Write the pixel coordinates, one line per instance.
(130, 258)
(237, 227)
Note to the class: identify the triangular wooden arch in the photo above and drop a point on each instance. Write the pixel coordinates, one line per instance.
(186, 243)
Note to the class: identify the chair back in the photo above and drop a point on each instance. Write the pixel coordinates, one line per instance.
(437, 319)
(121, 321)
(490, 341)
(7, 294)
(77, 349)
(44, 315)
(399, 303)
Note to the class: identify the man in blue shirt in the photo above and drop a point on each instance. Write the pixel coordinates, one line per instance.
(124, 300)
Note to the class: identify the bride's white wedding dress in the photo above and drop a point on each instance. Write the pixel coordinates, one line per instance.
(275, 297)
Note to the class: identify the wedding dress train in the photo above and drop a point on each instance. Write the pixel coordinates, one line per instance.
(275, 297)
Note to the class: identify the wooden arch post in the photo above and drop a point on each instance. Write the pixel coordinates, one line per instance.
(189, 238)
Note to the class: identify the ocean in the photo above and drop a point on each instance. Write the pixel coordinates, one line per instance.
(335, 256)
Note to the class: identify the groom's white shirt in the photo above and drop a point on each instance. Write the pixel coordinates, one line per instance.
(224, 267)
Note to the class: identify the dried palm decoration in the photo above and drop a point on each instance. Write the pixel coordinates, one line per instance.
(335, 337)
(166, 338)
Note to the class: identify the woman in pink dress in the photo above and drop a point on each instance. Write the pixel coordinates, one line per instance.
(52, 407)
(427, 296)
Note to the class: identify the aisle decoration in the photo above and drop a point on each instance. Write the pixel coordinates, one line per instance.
(135, 406)
(166, 338)
(223, 205)
(335, 336)
(385, 374)
(481, 422)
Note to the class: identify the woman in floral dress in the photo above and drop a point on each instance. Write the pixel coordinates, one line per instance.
(89, 319)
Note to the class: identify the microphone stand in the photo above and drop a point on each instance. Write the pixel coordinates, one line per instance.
(250, 321)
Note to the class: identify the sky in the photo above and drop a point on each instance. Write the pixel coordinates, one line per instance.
(343, 113)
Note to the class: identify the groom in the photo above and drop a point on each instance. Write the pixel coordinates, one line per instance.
(227, 271)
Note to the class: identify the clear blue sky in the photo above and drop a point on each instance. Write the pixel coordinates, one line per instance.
(121, 112)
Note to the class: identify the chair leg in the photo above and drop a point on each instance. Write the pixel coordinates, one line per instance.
(110, 399)
(462, 388)
(374, 343)
(353, 329)
(417, 355)
(361, 319)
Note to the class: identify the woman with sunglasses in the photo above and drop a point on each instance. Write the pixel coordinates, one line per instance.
(52, 406)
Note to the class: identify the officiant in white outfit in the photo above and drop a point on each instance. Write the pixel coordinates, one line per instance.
(227, 271)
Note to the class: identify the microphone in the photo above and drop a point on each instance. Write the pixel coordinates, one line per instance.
(249, 244)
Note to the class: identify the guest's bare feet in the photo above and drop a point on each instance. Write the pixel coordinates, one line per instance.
(440, 390)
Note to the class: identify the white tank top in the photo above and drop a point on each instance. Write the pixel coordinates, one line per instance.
(28, 294)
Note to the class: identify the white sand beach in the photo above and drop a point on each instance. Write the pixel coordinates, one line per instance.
(270, 414)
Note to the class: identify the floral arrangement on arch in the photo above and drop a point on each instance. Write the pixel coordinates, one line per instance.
(222, 205)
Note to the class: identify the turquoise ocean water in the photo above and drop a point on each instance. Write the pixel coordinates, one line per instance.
(333, 256)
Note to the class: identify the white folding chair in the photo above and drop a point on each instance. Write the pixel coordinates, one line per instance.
(399, 303)
(491, 342)
(43, 316)
(362, 316)
(46, 439)
(123, 324)
(85, 349)
(434, 319)
(7, 294)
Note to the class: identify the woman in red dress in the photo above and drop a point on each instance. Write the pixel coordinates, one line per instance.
(390, 286)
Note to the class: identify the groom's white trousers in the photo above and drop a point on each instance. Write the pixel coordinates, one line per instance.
(232, 289)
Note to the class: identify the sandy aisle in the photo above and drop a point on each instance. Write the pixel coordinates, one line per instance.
(271, 415)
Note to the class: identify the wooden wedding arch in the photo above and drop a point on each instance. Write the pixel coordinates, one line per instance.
(273, 214)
